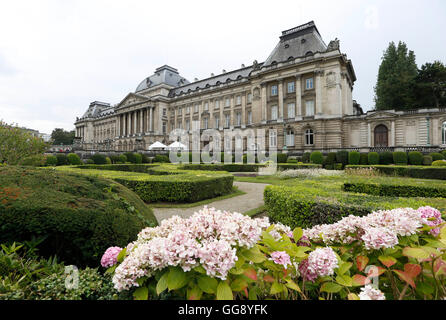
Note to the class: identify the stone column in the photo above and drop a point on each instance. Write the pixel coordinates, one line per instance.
(135, 122)
(392, 134)
(264, 104)
(141, 122)
(231, 124)
(369, 135)
(298, 98)
(151, 119)
(129, 124)
(244, 110)
(318, 104)
(281, 115)
(222, 123)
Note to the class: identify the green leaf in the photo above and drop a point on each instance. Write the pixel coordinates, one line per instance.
(297, 234)
(416, 253)
(162, 283)
(194, 293)
(176, 279)
(344, 267)
(344, 280)
(331, 287)
(361, 262)
(141, 293)
(276, 288)
(252, 295)
(238, 284)
(207, 284)
(121, 255)
(254, 254)
(224, 291)
(388, 261)
(353, 296)
(292, 285)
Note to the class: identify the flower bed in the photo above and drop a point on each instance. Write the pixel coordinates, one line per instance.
(308, 173)
(224, 255)
(236, 167)
(422, 172)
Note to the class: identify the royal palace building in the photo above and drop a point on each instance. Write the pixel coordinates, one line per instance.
(301, 95)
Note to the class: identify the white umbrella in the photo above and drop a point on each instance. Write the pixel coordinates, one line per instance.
(157, 145)
(177, 146)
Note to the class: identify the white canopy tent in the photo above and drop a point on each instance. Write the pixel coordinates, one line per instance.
(157, 146)
(177, 146)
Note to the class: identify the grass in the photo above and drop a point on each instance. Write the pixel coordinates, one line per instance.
(255, 212)
(235, 193)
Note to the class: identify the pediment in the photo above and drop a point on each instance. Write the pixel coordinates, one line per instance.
(132, 98)
(381, 115)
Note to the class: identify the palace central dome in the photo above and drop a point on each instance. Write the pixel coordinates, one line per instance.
(163, 75)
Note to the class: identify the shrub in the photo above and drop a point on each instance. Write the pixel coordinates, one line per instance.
(427, 160)
(161, 158)
(89, 161)
(316, 157)
(338, 166)
(74, 159)
(138, 158)
(122, 158)
(331, 158)
(439, 163)
(373, 158)
(130, 156)
(400, 158)
(62, 159)
(34, 161)
(389, 190)
(342, 157)
(99, 159)
(415, 158)
(386, 158)
(79, 216)
(354, 157)
(282, 158)
(108, 160)
(436, 156)
(443, 153)
(306, 157)
(364, 159)
(291, 160)
(438, 173)
(145, 158)
(51, 161)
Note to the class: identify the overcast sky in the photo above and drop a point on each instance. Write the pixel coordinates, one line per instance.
(58, 56)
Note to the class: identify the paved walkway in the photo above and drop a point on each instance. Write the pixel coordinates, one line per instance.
(251, 200)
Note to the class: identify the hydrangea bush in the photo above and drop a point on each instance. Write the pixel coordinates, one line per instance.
(396, 254)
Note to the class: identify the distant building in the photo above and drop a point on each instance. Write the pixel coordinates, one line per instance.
(303, 90)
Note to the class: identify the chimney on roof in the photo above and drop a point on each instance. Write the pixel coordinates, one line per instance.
(243, 65)
(196, 79)
(224, 71)
(212, 74)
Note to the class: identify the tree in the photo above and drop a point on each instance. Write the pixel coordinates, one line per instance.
(60, 136)
(17, 144)
(430, 89)
(396, 79)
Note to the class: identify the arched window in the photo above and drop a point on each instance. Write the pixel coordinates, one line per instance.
(381, 136)
(443, 133)
(309, 137)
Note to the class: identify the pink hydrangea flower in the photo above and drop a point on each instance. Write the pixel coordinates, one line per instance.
(281, 257)
(306, 273)
(432, 218)
(379, 238)
(322, 261)
(110, 257)
(370, 293)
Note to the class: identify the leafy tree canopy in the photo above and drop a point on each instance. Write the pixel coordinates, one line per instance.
(60, 136)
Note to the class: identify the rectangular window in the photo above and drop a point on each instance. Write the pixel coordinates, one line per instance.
(180, 111)
(205, 123)
(309, 108)
(227, 120)
(217, 104)
(291, 87)
(164, 128)
(249, 117)
(217, 122)
(187, 109)
(272, 139)
(239, 118)
(197, 107)
(238, 100)
(249, 97)
(164, 112)
(309, 84)
(274, 113)
(274, 90)
(206, 106)
(228, 102)
(291, 110)
(187, 125)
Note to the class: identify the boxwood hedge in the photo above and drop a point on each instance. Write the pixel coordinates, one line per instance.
(420, 172)
(379, 189)
(79, 216)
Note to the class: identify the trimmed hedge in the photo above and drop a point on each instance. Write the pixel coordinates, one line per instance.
(331, 158)
(387, 190)
(364, 159)
(157, 183)
(62, 160)
(161, 159)
(292, 208)
(74, 159)
(436, 156)
(99, 159)
(282, 158)
(386, 158)
(51, 161)
(415, 158)
(238, 167)
(306, 157)
(438, 173)
(373, 158)
(439, 163)
(77, 216)
(342, 157)
(427, 160)
(317, 157)
(354, 157)
(400, 158)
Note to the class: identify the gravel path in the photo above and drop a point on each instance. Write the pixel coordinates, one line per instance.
(251, 200)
